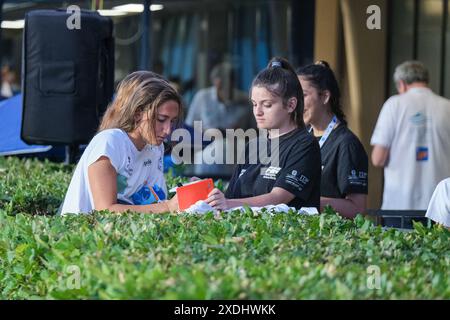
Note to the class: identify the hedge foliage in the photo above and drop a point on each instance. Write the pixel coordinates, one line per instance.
(226, 256)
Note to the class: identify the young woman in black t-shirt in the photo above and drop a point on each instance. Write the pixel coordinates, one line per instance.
(294, 180)
(344, 180)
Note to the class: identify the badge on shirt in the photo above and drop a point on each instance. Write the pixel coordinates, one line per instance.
(421, 153)
(297, 180)
(271, 173)
(358, 178)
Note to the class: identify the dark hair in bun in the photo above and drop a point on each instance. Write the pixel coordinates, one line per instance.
(322, 77)
(279, 78)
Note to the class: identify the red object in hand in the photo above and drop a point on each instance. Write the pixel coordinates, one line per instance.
(193, 192)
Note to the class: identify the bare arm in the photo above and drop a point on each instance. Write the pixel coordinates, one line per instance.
(380, 155)
(278, 195)
(103, 183)
(349, 207)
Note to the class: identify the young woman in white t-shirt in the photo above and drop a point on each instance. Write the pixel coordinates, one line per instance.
(122, 167)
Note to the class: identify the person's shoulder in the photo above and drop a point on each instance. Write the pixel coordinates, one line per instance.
(442, 100)
(347, 135)
(348, 140)
(110, 143)
(110, 133)
(110, 136)
(204, 92)
(301, 138)
(394, 100)
(302, 146)
(444, 184)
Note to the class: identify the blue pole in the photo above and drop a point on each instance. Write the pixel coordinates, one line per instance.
(145, 39)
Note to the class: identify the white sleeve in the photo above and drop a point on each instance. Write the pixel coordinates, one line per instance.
(384, 131)
(439, 207)
(108, 145)
(194, 112)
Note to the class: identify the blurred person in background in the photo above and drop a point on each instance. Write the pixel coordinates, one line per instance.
(220, 106)
(411, 140)
(9, 85)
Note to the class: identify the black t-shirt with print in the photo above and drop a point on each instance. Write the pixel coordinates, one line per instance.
(344, 164)
(298, 170)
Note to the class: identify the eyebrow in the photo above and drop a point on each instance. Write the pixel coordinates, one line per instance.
(165, 116)
(262, 101)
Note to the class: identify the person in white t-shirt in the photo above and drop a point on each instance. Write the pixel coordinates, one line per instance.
(220, 106)
(122, 167)
(439, 207)
(412, 140)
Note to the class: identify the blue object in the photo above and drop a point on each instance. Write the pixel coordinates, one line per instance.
(168, 163)
(422, 154)
(148, 195)
(10, 124)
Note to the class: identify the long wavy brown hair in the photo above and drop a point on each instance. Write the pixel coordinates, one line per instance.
(140, 91)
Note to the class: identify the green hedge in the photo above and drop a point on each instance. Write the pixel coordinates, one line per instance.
(228, 256)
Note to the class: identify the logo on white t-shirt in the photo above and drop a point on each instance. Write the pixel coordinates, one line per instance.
(160, 163)
(128, 167)
(418, 119)
(122, 183)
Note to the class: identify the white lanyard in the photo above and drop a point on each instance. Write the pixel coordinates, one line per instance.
(327, 132)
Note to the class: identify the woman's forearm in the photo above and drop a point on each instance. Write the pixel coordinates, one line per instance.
(345, 207)
(160, 207)
(258, 201)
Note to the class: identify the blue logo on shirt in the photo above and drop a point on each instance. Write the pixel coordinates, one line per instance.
(148, 195)
(418, 119)
(421, 154)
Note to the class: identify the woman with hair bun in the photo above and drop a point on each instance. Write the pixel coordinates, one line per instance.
(277, 100)
(344, 182)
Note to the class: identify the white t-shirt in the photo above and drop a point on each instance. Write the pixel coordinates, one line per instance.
(135, 169)
(439, 208)
(415, 127)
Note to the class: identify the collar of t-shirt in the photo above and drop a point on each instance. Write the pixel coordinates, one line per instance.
(322, 139)
(285, 135)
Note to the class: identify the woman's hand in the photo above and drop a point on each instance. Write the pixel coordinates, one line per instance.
(172, 204)
(217, 200)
